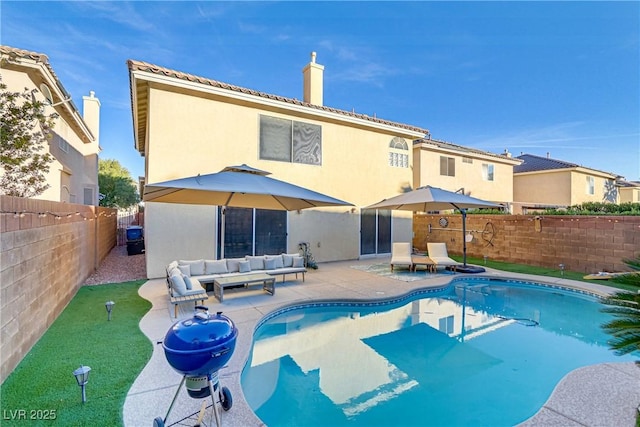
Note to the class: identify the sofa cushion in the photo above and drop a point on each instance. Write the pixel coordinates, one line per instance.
(269, 263)
(197, 266)
(287, 259)
(233, 264)
(277, 258)
(297, 262)
(215, 266)
(244, 266)
(178, 287)
(185, 269)
(171, 266)
(256, 262)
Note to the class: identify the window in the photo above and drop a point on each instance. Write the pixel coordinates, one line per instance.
(290, 141)
(447, 166)
(398, 153)
(591, 185)
(63, 144)
(445, 324)
(487, 172)
(88, 196)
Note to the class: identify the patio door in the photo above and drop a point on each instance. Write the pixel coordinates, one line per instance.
(252, 232)
(375, 232)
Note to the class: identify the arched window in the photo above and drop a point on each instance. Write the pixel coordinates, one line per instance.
(398, 153)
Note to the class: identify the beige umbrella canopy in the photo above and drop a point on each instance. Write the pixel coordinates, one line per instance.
(238, 186)
(429, 198)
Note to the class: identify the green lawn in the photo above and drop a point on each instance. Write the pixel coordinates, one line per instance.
(542, 271)
(43, 383)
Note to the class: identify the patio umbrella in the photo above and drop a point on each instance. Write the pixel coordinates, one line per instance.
(238, 186)
(429, 198)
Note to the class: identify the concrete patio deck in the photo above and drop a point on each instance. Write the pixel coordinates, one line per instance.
(599, 395)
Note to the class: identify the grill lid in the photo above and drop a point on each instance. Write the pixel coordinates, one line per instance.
(202, 331)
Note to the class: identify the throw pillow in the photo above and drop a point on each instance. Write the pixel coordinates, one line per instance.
(269, 264)
(244, 266)
(177, 284)
(185, 269)
(233, 264)
(298, 262)
(287, 259)
(197, 266)
(187, 282)
(277, 258)
(215, 266)
(256, 262)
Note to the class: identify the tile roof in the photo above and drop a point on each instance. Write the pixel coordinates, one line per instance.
(462, 148)
(156, 69)
(533, 163)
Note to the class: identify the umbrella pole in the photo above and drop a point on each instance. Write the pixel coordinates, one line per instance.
(464, 236)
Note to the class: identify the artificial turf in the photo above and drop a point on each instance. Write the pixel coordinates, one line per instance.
(43, 386)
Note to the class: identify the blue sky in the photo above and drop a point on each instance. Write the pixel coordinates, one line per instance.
(532, 77)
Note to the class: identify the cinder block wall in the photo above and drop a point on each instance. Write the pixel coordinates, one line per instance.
(48, 250)
(582, 243)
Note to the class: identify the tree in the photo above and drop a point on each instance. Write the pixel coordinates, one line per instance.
(116, 185)
(25, 129)
(625, 307)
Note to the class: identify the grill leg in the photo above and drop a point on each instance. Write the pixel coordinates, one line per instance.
(216, 413)
(174, 399)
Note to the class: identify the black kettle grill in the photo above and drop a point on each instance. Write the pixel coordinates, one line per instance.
(198, 348)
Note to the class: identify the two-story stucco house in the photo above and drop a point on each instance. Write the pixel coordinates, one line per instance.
(540, 182)
(185, 125)
(453, 167)
(73, 176)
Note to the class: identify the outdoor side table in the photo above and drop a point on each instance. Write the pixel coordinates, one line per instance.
(425, 261)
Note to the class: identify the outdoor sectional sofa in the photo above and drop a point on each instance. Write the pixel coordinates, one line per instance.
(189, 280)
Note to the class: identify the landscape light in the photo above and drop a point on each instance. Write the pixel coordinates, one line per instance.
(82, 377)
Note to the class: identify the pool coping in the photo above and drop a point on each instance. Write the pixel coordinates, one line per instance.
(605, 394)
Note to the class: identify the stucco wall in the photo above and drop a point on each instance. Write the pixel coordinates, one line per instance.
(43, 262)
(467, 175)
(582, 243)
(191, 133)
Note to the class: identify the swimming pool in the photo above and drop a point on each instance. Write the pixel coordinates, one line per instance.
(478, 352)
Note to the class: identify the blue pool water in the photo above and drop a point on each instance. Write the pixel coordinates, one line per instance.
(479, 352)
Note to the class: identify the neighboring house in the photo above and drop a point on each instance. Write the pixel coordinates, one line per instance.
(629, 191)
(541, 182)
(73, 175)
(185, 125)
(453, 167)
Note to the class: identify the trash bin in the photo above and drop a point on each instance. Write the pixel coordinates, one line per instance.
(135, 240)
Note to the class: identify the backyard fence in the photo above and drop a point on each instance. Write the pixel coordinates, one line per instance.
(48, 250)
(585, 244)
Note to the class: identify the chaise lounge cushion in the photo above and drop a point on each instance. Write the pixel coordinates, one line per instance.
(298, 262)
(287, 259)
(197, 266)
(233, 264)
(269, 264)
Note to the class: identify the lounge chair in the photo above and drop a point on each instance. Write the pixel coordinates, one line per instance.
(401, 255)
(439, 255)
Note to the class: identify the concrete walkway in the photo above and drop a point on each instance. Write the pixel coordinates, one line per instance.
(600, 395)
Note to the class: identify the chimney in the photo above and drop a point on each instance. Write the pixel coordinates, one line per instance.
(91, 114)
(312, 77)
(548, 155)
